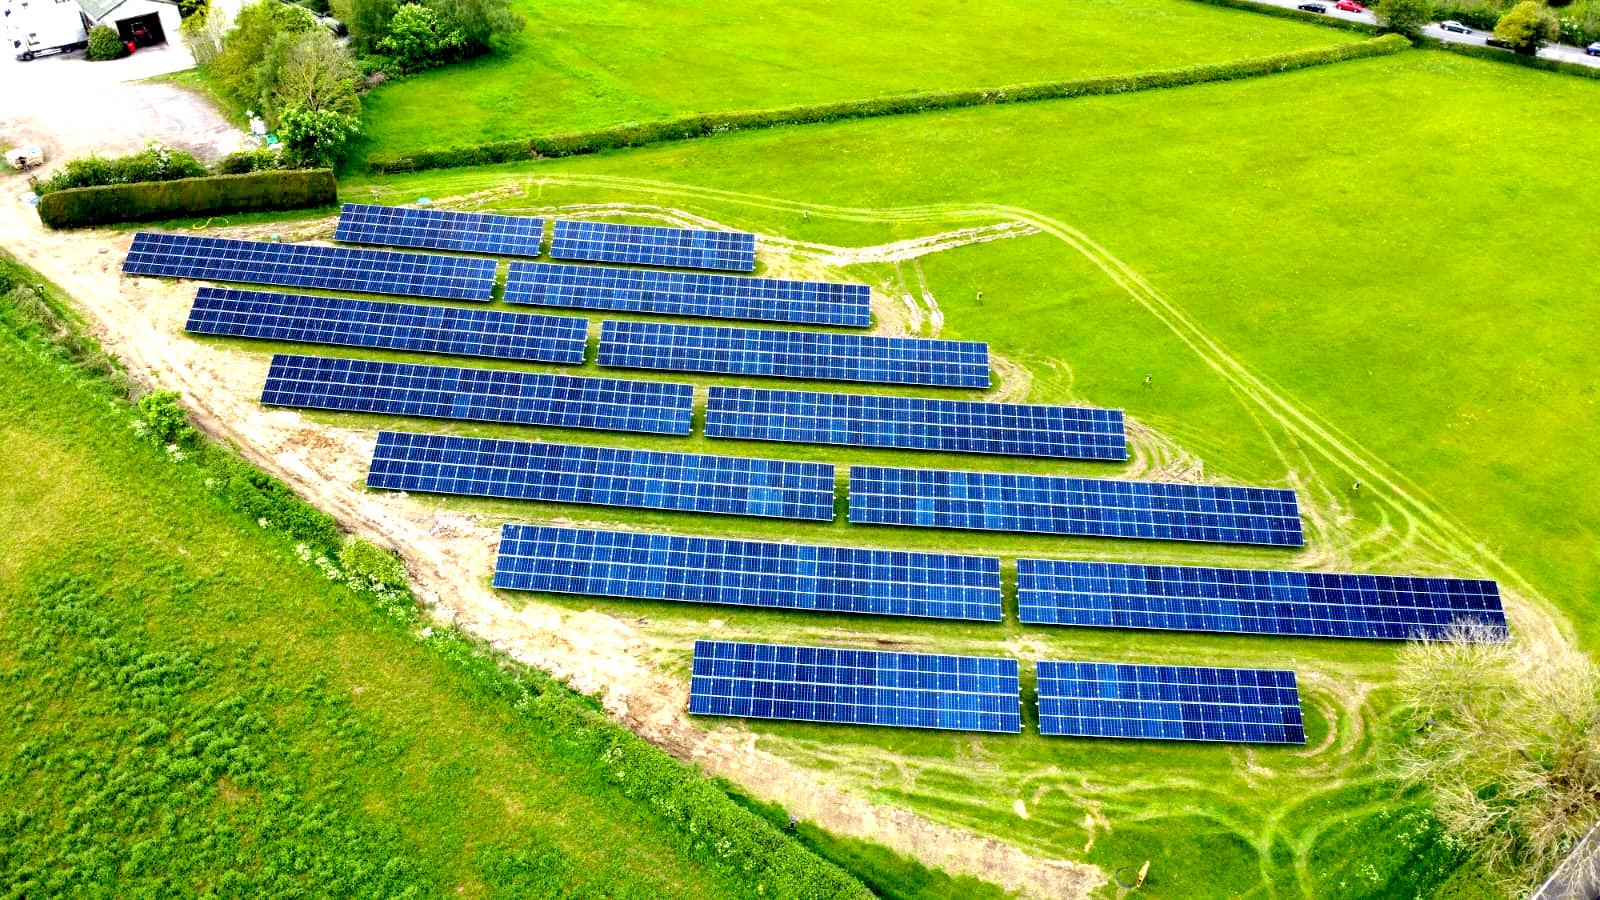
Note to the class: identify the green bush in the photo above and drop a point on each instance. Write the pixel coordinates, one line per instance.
(165, 421)
(1407, 17)
(316, 137)
(242, 162)
(156, 162)
(214, 195)
(105, 43)
(1528, 26)
(717, 123)
(419, 39)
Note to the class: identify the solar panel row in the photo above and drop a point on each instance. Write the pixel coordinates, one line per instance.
(480, 395)
(748, 573)
(437, 229)
(1122, 595)
(1085, 699)
(1078, 506)
(915, 423)
(793, 354)
(689, 294)
(863, 687)
(1176, 703)
(384, 325)
(299, 265)
(650, 245)
(565, 473)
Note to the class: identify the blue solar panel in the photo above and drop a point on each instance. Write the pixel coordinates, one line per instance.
(478, 395)
(437, 229)
(793, 354)
(1252, 601)
(564, 473)
(690, 294)
(860, 687)
(650, 245)
(1174, 703)
(391, 326)
(300, 265)
(915, 423)
(993, 501)
(748, 573)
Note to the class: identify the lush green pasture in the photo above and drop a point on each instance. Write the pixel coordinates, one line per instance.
(1372, 271)
(582, 64)
(197, 711)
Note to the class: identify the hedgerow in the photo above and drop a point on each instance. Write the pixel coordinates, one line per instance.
(213, 195)
(717, 123)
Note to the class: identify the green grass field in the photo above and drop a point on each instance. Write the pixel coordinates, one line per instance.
(195, 710)
(581, 65)
(1371, 271)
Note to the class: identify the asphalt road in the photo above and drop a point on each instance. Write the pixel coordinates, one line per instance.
(1561, 52)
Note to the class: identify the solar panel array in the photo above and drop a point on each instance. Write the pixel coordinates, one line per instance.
(437, 229)
(652, 245)
(748, 573)
(915, 423)
(563, 473)
(1175, 703)
(994, 501)
(1251, 601)
(861, 687)
(479, 395)
(690, 294)
(390, 326)
(299, 265)
(793, 354)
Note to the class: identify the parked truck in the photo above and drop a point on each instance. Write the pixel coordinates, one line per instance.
(36, 27)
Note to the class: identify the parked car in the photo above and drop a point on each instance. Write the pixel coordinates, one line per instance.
(1593, 49)
(1349, 6)
(1314, 7)
(1453, 25)
(1496, 42)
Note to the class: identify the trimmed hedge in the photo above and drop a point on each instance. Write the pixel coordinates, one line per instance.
(1506, 56)
(1284, 12)
(717, 123)
(211, 195)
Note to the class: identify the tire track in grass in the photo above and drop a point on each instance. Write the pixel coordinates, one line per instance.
(1408, 524)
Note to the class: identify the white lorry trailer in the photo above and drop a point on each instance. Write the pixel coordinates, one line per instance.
(36, 27)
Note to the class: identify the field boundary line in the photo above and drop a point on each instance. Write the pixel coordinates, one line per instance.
(693, 127)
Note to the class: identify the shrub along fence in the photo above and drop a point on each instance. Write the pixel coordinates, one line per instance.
(1495, 54)
(212, 195)
(718, 123)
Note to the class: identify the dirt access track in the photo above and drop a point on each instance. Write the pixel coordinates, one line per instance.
(140, 320)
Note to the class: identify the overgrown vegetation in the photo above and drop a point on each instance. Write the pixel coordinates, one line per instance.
(278, 61)
(405, 32)
(156, 162)
(1576, 22)
(1507, 746)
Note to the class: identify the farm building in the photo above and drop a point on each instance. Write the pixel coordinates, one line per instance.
(145, 22)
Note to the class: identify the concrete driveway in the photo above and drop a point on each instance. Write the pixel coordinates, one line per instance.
(71, 107)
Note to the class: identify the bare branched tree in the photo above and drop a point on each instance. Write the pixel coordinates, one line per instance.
(318, 73)
(1507, 743)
